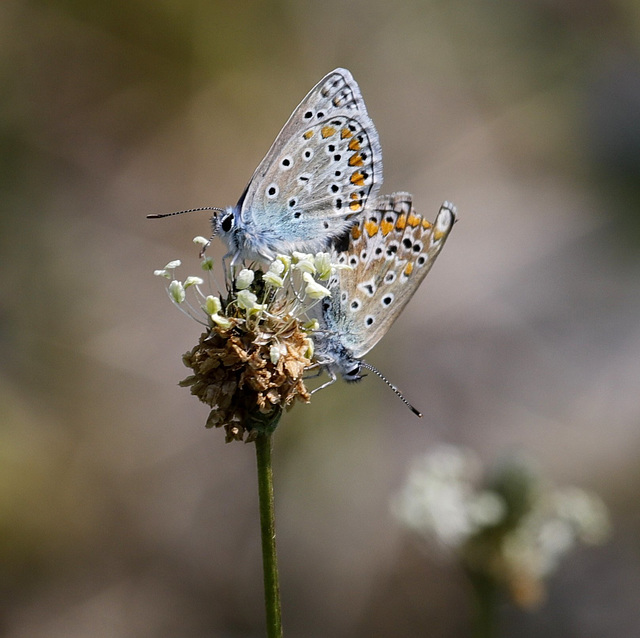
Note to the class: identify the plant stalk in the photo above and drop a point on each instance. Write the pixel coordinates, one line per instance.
(268, 533)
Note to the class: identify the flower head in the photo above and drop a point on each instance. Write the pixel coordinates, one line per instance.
(249, 362)
(511, 527)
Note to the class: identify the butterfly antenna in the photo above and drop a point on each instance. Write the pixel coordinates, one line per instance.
(192, 210)
(182, 212)
(399, 394)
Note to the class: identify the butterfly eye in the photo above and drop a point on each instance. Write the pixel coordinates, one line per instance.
(353, 374)
(227, 223)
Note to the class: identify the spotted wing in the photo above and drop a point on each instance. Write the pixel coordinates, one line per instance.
(390, 252)
(324, 165)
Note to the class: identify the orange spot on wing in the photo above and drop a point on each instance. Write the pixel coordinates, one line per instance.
(356, 160)
(356, 205)
(354, 145)
(327, 131)
(438, 235)
(357, 179)
(345, 132)
(401, 222)
(408, 269)
(386, 227)
(426, 224)
(371, 228)
(413, 220)
(356, 232)
(308, 135)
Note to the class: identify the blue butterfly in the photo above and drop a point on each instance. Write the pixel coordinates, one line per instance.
(390, 252)
(314, 182)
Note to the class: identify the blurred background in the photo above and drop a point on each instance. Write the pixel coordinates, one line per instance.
(120, 515)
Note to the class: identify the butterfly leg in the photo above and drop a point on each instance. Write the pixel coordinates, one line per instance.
(332, 379)
(229, 269)
(316, 374)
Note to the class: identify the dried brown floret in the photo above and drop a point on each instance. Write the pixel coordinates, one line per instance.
(234, 373)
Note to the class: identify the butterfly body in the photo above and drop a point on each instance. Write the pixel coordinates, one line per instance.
(315, 180)
(390, 252)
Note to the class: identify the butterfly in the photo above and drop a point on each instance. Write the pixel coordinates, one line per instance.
(390, 251)
(322, 169)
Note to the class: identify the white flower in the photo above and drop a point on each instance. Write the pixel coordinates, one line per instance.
(221, 321)
(244, 279)
(277, 266)
(322, 262)
(173, 264)
(176, 291)
(192, 281)
(162, 273)
(303, 262)
(285, 260)
(203, 242)
(313, 288)
(248, 301)
(276, 351)
(273, 279)
(212, 305)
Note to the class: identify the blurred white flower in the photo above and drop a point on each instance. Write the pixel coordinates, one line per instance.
(514, 528)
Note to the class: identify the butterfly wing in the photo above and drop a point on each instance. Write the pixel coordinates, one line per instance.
(390, 252)
(324, 165)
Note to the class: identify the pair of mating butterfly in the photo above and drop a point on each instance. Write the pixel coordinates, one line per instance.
(316, 189)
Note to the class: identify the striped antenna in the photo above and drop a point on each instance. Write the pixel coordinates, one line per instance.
(181, 212)
(399, 394)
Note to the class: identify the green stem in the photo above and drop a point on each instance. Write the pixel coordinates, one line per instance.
(268, 532)
(485, 594)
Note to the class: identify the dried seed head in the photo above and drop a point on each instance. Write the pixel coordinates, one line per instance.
(248, 364)
(235, 374)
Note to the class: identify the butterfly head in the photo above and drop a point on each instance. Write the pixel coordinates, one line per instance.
(349, 367)
(223, 223)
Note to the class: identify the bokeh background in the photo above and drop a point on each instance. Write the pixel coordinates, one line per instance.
(120, 515)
